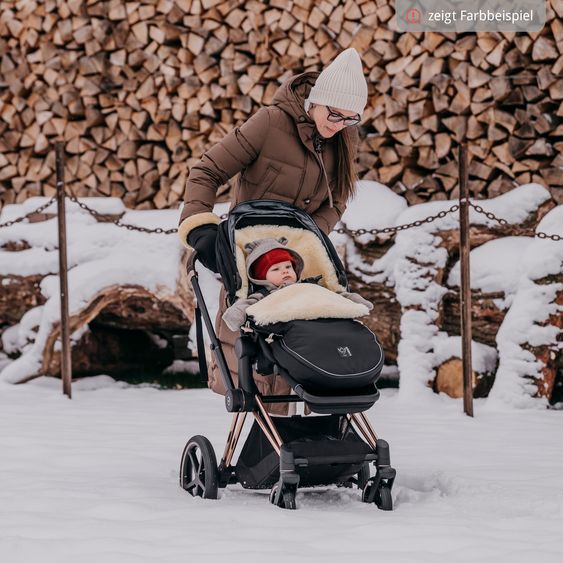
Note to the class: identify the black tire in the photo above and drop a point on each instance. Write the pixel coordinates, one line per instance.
(198, 469)
(286, 500)
(383, 498)
(289, 500)
(363, 476)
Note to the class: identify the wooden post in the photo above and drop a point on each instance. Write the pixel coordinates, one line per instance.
(66, 365)
(465, 294)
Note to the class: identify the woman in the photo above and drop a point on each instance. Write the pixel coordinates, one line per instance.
(301, 150)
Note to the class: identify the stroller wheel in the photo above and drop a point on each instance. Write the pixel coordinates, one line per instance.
(382, 497)
(198, 468)
(284, 498)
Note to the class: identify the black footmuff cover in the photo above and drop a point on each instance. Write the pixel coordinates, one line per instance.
(326, 354)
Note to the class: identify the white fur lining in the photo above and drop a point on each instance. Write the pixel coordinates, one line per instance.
(197, 220)
(307, 244)
(304, 301)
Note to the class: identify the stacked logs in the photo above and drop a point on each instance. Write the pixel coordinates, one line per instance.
(138, 90)
(503, 93)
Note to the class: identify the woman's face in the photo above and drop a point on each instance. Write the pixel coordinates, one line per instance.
(328, 120)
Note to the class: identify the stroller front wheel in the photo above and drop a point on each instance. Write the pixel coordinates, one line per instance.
(198, 469)
(284, 498)
(381, 498)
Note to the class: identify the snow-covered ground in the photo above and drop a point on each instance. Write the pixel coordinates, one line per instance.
(96, 479)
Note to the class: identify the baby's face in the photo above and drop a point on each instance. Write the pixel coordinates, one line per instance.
(281, 273)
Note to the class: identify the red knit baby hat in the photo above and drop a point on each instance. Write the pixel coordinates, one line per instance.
(266, 261)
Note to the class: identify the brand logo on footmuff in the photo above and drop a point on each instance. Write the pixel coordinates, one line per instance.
(344, 351)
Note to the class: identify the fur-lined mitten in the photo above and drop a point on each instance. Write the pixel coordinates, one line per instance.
(235, 315)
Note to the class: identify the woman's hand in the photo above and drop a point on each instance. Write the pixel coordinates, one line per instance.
(202, 239)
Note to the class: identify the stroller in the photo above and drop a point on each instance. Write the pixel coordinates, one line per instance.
(335, 378)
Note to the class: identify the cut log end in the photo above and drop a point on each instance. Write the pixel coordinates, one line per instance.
(449, 380)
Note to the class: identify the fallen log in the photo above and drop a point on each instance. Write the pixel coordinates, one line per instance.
(130, 329)
(115, 291)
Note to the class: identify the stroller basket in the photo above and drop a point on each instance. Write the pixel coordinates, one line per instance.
(258, 466)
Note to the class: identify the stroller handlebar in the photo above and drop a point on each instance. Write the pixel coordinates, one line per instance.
(191, 262)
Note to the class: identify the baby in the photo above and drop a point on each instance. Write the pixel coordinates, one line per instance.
(270, 265)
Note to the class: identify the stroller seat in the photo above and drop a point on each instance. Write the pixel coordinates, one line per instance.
(309, 334)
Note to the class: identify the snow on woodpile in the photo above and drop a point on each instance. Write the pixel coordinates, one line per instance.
(496, 267)
(100, 255)
(533, 321)
(375, 206)
(413, 267)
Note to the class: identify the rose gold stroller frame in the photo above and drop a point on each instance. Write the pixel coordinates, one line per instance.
(357, 420)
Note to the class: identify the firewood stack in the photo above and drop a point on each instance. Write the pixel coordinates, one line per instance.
(138, 90)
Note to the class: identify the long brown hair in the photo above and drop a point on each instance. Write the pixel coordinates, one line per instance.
(346, 175)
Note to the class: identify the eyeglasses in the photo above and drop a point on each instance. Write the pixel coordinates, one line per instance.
(335, 117)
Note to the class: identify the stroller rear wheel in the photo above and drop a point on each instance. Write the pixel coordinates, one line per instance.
(198, 468)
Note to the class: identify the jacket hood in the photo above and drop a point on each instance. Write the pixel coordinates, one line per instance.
(291, 95)
(258, 248)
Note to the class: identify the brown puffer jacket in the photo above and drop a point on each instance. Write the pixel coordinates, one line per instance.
(275, 155)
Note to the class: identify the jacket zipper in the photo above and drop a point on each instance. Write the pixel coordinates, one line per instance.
(318, 146)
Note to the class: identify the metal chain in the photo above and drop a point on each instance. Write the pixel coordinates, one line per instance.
(342, 230)
(504, 222)
(488, 214)
(118, 223)
(345, 230)
(40, 209)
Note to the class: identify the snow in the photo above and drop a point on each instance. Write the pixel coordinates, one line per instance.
(412, 264)
(546, 256)
(103, 205)
(96, 479)
(99, 255)
(375, 206)
(495, 266)
(513, 206)
(483, 357)
(532, 305)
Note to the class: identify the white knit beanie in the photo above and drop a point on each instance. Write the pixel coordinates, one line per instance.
(341, 84)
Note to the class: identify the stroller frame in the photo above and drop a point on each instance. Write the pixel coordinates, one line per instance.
(201, 476)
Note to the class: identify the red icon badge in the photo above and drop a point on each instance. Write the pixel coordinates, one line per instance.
(413, 16)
